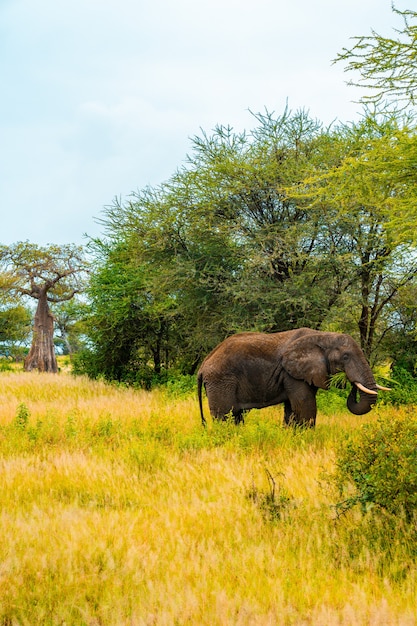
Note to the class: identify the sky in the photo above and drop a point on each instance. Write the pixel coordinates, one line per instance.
(100, 98)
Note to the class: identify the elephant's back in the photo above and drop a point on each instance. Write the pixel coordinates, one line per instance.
(240, 343)
(248, 346)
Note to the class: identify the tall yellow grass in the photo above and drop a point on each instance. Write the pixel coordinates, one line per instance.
(117, 508)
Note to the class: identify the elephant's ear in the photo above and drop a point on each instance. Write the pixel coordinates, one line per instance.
(304, 360)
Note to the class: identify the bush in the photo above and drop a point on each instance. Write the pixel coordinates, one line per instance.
(272, 503)
(377, 466)
(181, 385)
(86, 363)
(403, 387)
(332, 402)
(22, 417)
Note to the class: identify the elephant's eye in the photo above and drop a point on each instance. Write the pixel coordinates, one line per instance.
(345, 357)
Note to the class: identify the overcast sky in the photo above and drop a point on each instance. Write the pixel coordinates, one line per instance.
(99, 98)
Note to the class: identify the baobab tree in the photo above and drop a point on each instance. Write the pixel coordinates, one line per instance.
(48, 274)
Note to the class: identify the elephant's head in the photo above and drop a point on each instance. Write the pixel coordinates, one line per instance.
(316, 356)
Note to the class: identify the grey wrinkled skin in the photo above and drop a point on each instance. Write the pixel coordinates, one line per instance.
(256, 370)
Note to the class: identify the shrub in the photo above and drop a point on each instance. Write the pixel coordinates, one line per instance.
(22, 416)
(377, 466)
(271, 503)
(332, 401)
(181, 385)
(403, 387)
(5, 365)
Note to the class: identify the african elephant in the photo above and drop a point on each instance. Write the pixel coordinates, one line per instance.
(256, 370)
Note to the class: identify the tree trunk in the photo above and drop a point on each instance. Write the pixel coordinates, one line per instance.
(42, 352)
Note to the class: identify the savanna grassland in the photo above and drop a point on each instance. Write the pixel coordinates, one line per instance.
(118, 508)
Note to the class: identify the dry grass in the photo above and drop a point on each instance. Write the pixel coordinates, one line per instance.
(117, 508)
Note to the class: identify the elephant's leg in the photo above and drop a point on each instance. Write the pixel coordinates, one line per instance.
(303, 407)
(221, 408)
(288, 413)
(239, 416)
(222, 400)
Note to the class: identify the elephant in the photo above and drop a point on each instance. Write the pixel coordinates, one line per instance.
(255, 370)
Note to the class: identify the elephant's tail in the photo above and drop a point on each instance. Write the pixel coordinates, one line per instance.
(200, 399)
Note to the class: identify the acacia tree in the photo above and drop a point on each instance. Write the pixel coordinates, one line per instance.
(387, 68)
(48, 274)
(370, 229)
(282, 227)
(241, 183)
(387, 64)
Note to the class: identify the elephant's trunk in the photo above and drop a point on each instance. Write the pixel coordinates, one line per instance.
(367, 398)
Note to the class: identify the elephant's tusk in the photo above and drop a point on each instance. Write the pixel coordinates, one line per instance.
(365, 389)
(383, 388)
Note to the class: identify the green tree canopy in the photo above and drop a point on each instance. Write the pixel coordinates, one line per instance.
(227, 244)
(15, 327)
(15, 319)
(387, 68)
(368, 221)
